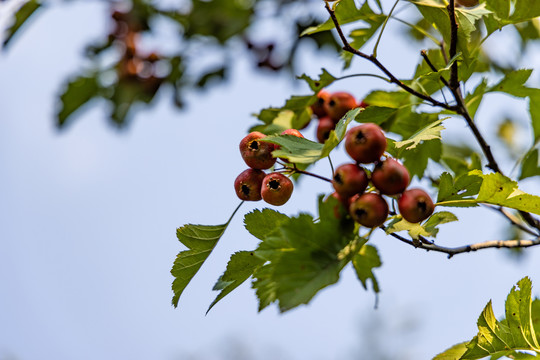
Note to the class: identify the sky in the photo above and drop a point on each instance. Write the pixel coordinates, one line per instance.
(88, 220)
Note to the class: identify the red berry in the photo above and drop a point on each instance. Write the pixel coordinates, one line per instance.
(369, 210)
(276, 189)
(248, 184)
(339, 103)
(318, 107)
(415, 205)
(365, 143)
(323, 130)
(257, 154)
(390, 177)
(349, 179)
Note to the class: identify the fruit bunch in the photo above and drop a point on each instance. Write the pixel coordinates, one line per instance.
(254, 184)
(330, 108)
(366, 144)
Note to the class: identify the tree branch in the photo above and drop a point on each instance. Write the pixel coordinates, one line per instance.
(454, 82)
(347, 47)
(468, 248)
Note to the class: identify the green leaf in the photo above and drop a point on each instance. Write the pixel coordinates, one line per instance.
(525, 10)
(416, 160)
(303, 151)
(338, 134)
(463, 187)
(239, 268)
(303, 257)
(429, 228)
(261, 223)
(430, 132)
(530, 166)
(375, 114)
(77, 93)
(295, 149)
(324, 80)
(497, 189)
(364, 262)
(473, 100)
(21, 16)
(346, 12)
(200, 240)
(516, 332)
(453, 353)
(295, 113)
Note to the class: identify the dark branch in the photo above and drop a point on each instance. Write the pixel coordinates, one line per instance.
(508, 244)
(347, 47)
(454, 82)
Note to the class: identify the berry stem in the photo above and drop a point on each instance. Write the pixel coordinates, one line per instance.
(295, 170)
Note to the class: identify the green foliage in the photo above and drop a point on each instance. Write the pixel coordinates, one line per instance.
(303, 256)
(21, 16)
(78, 92)
(241, 266)
(200, 240)
(519, 330)
(429, 228)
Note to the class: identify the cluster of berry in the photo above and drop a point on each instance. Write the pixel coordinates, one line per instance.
(254, 184)
(330, 108)
(366, 144)
(133, 65)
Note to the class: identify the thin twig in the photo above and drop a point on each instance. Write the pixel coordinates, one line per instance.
(511, 218)
(454, 82)
(295, 170)
(468, 248)
(382, 29)
(424, 54)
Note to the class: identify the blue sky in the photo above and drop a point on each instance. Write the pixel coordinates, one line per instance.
(88, 219)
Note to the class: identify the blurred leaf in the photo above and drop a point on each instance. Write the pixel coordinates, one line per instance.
(239, 268)
(364, 262)
(21, 16)
(324, 80)
(78, 92)
(200, 240)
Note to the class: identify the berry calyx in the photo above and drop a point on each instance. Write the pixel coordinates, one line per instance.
(339, 104)
(390, 177)
(415, 205)
(276, 189)
(248, 184)
(369, 210)
(257, 154)
(323, 130)
(365, 143)
(318, 108)
(349, 179)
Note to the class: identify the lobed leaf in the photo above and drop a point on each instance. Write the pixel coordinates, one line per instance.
(303, 256)
(200, 240)
(240, 267)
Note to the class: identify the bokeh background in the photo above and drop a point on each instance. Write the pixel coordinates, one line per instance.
(88, 218)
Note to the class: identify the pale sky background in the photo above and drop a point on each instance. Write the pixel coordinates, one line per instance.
(88, 219)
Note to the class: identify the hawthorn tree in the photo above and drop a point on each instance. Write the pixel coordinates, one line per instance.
(299, 255)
